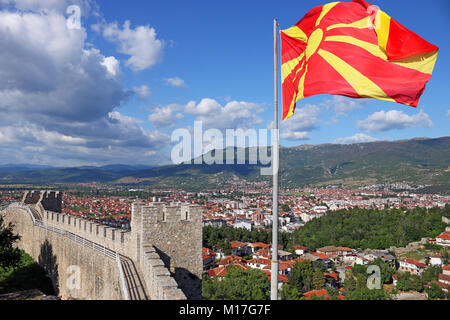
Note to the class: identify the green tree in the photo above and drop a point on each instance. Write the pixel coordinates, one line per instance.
(301, 276)
(333, 293)
(371, 228)
(430, 274)
(349, 283)
(318, 280)
(238, 284)
(367, 294)
(26, 275)
(386, 270)
(445, 255)
(407, 282)
(9, 256)
(361, 282)
(289, 292)
(435, 292)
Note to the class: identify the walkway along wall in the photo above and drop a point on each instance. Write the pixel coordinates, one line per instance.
(164, 244)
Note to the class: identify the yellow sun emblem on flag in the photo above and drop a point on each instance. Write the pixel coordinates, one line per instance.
(376, 21)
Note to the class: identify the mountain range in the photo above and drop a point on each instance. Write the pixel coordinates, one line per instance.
(417, 161)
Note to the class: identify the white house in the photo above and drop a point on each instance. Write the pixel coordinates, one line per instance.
(412, 266)
(380, 254)
(308, 216)
(443, 239)
(300, 250)
(436, 260)
(243, 224)
(258, 263)
(361, 260)
(240, 248)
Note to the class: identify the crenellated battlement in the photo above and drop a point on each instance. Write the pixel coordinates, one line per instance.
(115, 239)
(43, 200)
(175, 231)
(165, 242)
(161, 213)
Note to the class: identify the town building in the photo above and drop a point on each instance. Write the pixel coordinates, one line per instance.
(412, 266)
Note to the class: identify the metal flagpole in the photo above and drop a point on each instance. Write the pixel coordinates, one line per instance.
(275, 162)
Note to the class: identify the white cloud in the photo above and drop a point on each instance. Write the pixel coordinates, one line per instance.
(448, 113)
(88, 7)
(112, 65)
(166, 116)
(342, 106)
(294, 135)
(357, 138)
(141, 44)
(394, 119)
(143, 92)
(58, 97)
(176, 82)
(34, 133)
(296, 127)
(235, 114)
(46, 73)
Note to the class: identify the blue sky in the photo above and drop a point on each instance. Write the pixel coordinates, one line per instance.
(173, 62)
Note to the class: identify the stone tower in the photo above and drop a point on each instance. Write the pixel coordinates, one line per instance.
(175, 232)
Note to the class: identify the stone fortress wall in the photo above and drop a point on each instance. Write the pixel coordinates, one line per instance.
(164, 244)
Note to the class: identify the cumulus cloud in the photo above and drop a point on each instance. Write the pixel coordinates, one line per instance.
(114, 138)
(58, 96)
(176, 82)
(46, 73)
(394, 119)
(295, 135)
(304, 119)
(342, 106)
(36, 134)
(234, 114)
(143, 92)
(357, 138)
(87, 7)
(140, 43)
(166, 116)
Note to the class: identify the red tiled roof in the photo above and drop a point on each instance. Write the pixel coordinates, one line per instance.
(317, 293)
(221, 271)
(260, 245)
(415, 262)
(281, 277)
(445, 235)
(320, 293)
(260, 261)
(444, 277)
(299, 247)
(322, 256)
(217, 272)
(333, 275)
(332, 249)
(237, 244)
(228, 260)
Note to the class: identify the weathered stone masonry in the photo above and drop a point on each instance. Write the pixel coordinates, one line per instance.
(175, 232)
(164, 244)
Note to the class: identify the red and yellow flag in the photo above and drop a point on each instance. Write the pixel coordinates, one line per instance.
(355, 50)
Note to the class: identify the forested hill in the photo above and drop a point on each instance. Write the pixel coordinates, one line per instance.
(374, 229)
(416, 161)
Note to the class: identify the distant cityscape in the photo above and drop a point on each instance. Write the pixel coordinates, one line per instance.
(250, 208)
(245, 206)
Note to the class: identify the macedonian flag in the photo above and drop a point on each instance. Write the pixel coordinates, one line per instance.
(355, 50)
